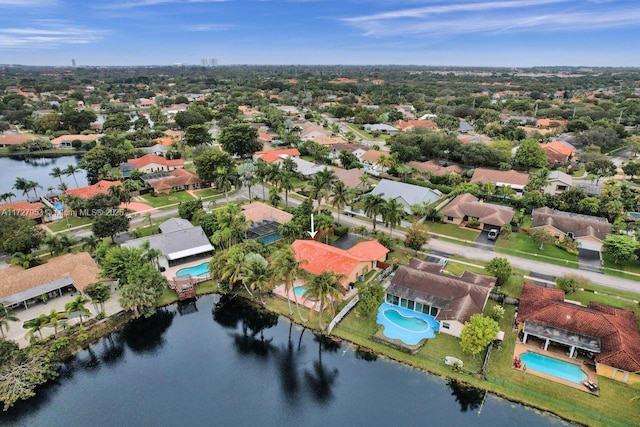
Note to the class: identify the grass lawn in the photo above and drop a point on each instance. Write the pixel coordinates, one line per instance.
(522, 245)
(400, 256)
(298, 183)
(207, 193)
(169, 199)
(74, 221)
(513, 287)
(366, 135)
(452, 230)
(148, 230)
(612, 407)
(633, 266)
(585, 297)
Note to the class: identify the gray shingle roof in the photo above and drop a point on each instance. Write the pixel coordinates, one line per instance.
(176, 244)
(407, 194)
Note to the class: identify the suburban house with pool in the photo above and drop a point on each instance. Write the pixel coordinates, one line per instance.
(352, 264)
(588, 231)
(603, 335)
(264, 221)
(424, 290)
(58, 276)
(179, 241)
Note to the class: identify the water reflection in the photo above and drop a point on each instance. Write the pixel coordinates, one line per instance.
(146, 335)
(366, 355)
(188, 306)
(469, 398)
(320, 380)
(288, 367)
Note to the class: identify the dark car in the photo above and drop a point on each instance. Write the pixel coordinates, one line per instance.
(493, 234)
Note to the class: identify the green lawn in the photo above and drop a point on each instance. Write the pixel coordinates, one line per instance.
(206, 193)
(522, 245)
(74, 221)
(169, 199)
(633, 266)
(366, 135)
(585, 297)
(512, 288)
(148, 230)
(452, 230)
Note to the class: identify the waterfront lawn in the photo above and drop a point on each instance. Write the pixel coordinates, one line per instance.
(612, 407)
(169, 199)
(452, 230)
(167, 297)
(74, 221)
(522, 245)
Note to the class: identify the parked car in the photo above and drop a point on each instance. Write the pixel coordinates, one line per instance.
(493, 234)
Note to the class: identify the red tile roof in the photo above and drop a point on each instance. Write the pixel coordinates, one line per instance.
(510, 177)
(176, 178)
(16, 139)
(101, 187)
(147, 159)
(616, 328)
(265, 136)
(369, 251)
(28, 209)
(411, 124)
(273, 155)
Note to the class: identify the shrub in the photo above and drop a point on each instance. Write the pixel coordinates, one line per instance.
(473, 222)
(567, 284)
(340, 230)
(497, 313)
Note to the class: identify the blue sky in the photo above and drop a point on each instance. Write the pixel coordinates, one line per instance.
(421, 32)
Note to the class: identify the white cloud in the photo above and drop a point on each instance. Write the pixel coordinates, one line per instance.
(47, 35)
(207, 27)
(27, 3)
(143, 3)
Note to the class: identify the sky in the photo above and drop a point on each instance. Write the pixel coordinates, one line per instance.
(511, 33)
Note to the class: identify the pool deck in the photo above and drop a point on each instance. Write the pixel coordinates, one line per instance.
(580, 362)
(282, 293)
(170, 272)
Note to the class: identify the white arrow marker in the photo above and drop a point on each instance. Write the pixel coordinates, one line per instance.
(313, 231)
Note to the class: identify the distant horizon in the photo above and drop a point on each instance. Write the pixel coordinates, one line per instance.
(456, 33)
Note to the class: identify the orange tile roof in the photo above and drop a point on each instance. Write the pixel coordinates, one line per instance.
(101, 187)
(273, 155)
(265, 136)
(28, 209)
(559, 147)
(176, 178)
(510, 177)
(16, 139)
(320, 257)
(147, 159)
(411, 124)
(59, 140)
(166, 141)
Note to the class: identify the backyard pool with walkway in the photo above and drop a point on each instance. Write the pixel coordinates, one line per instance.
(406, 325)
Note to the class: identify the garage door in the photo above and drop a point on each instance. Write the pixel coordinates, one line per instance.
(587, 254)
(589, 245)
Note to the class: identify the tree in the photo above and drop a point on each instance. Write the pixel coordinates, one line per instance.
(247, 175)
(324, 288)
(286, 268)
(21, 372)
(210, 163)
(6, 316)
(370, 298)
(35, 325)
(477, 333)
(496, 312)
(633, 142)
(373, 205)
(56, 319)
(77, 306)
(500, 268)
(19, 233)
(118, 122)
(256, 274)
(392, 212)
(620, 248)
(197, 135)
(541, 236)
(138, 298)
(71, 170)
(25, 261)
(531, 154)
(286, 184)
(56, 172)
(188, 209)
(417, 236)
(99, 294)
(446, 121)
(240, 140)
(601, 168)
(340, 197)
(567, 284)
(110, 223)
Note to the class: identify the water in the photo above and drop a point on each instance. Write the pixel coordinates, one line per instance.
(300, 290)
(191, 365)
(38, 171)
(554, 367)
(195, 271)
(406, 325)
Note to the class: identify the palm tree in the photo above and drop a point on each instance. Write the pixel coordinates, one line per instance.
(71, 170)
(373, 205)
(55, 319)
(63, 187)
(324, 288)
(392, 213)
(21, 185)
(33, 185)
(256, 274)
(90, 242)
(99, 294)
(341, 197)
(262, 171)
(247, 174)
(224, 181)
(53, 244)
(36, 325)
(273, 173)
(56, 172)
(324, 224)
(286, 183)
(364, 180)
(6, 316)
(9, 195)
(147, 217)
(77, 305)
(403, 170)
(285, 267)
(26, 261)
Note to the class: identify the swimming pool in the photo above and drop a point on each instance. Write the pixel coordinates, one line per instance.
(199, 270)
(554, 367)
(406, 325)
(299, 290)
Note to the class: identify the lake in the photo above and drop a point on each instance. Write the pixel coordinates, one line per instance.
(38, 171)
(226, 364)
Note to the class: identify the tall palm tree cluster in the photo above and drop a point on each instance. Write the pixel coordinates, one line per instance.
(245, 266)
(392, 210)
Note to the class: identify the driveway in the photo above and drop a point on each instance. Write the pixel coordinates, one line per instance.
(347, 241)
(589, 260)
(483, 242)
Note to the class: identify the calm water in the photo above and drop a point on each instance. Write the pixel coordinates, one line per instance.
(228, 365)
(37, 171)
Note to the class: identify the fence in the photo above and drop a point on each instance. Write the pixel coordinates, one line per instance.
(343, 313)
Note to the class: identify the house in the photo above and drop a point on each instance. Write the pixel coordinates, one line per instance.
(31, 210)
(559, 182)
(176, 180)
(413, 124)
(179, 241)
(264, 221)
(589, 231)
(433, 167)
(355, 149)
(154, 163)
(352, 264)
(58, 276)
(264, 137)
(100, 187)
(274, 156)
(306, 168)
(608, 335)
(10, 139)
(559, 152)
(66, 141)
(465, 127)
(406, 194)
(515, 180)
(551, 123)
(467, 206)
(350, 177)
(146, 103)
(157, 149)
(423, 287)
(382, 127)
